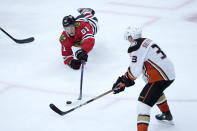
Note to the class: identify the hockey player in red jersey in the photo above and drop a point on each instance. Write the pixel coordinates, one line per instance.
(78, 32)
(148, 59)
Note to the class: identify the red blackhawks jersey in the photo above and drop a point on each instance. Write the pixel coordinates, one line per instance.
(148, 59)
(83, 38)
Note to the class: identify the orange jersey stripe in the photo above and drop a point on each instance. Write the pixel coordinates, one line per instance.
(160, 70)
(154, 72)
(130, 75)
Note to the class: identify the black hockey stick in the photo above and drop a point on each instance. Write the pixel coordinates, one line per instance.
(81, 81)
(58, 111)
(22, 41)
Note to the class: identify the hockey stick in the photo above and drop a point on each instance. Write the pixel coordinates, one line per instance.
(17, 40)
(58, 111)
(81, 81)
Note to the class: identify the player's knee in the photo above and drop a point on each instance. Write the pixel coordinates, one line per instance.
(143, 109)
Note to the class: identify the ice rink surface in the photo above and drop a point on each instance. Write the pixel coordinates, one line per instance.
(33, 75)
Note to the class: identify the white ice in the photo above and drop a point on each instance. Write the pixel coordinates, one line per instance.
(33, 75)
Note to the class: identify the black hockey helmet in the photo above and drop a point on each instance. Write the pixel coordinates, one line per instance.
(68, 20)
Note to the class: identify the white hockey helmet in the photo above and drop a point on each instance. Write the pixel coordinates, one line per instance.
(135, 32)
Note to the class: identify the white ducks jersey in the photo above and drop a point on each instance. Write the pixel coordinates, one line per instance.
(148, 59)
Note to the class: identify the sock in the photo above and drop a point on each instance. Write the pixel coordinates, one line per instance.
(143, 122)
(142, 127)
(162, 104)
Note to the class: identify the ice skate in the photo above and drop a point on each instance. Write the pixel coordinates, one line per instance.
(86, 10)
(165, 118)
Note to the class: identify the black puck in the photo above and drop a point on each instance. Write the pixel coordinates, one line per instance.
(69, 102)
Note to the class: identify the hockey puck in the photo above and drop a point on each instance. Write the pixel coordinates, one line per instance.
(69, 102)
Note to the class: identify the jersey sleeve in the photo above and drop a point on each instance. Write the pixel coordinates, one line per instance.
(88, 44)
(66, 48)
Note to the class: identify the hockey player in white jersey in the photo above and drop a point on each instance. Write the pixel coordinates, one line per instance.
(148, 59)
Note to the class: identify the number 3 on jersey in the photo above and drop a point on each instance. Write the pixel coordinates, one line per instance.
(134, 59)
(85, 30)
(159, 51)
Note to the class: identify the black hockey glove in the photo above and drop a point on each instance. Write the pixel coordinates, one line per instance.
(74, 64)
(81, 55)
(121, 83)
(118, 86)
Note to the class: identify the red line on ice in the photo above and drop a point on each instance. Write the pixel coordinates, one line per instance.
(176, 7)
(15, 86)
(152, 20)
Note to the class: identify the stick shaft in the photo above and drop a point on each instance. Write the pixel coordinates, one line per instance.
(7, 33)
(81, 81)
(22, 41)
(91, 100)
(57, 110)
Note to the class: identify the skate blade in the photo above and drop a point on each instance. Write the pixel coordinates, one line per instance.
(166, 122)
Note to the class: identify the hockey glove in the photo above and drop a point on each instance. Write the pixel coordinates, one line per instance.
(74, 64)
(81, 55)
(128, 82)
(118, 86)
(121, 83)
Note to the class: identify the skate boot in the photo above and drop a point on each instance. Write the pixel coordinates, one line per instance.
(86, 10)
(165, 117)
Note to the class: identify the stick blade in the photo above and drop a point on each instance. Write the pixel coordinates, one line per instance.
(28, 40)
(55, 109)
(80, 97)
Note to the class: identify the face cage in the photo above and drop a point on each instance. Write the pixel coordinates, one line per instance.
(126, 35)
